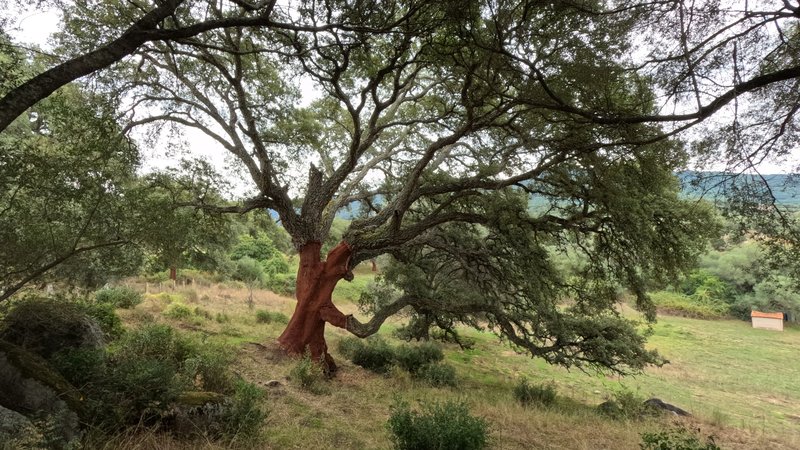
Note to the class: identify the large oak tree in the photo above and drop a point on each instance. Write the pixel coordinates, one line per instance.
(443, 121)
(436, 128)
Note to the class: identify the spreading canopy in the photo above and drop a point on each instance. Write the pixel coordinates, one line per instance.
(478, 134)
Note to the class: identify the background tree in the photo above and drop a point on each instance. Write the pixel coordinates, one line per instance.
(179, 234)
(72, 207)
(62, 177)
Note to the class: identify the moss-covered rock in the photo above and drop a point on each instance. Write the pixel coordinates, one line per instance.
(46, 326)
(17, 431)
(28, 385)
(197, 412)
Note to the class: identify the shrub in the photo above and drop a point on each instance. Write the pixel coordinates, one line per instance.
(625, 404)
(222, 318)
(308, 375)
(202, 312)
(530, 394)
(275, 265)
(140, 376)
(414, 358)
(437, 375)
(140, 389)
(279, 317)
(164, 297)
(349, 346)
(80, 366)
(143, 372)
(677, 439)
(153, 341)
(263, 316)
(440, 426)
(207, 368)
(282, 283)
(118, 297)
(375, 355)
(106, 317)
(243, 420)
(190, 295)
(179, 311)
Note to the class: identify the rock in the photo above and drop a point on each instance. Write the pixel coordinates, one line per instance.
(45, 326)
(17, 431)
(197, 412)
(660, 405)
(609, 407)
(273, 383)
(29, 386)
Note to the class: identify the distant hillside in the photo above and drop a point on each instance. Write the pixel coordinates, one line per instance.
(708, 185)
(785, 188)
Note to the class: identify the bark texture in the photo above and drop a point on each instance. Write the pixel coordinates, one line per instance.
(316, 280)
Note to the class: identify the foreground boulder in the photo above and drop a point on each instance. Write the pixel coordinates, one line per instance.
(17, 431)
(46, 326)
(30, 387)
(199, 412)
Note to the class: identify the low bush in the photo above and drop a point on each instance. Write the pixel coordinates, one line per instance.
(308, 375)
(375, 355)
(677, 439)
(164, 297)
(532, 394)
(439, 426)
(348, 346)
(202, 312)
(154, 341)
(625, 404)
(140, 376)
(119, 297)
(420, 361)
(222, 318)
(282, 283)
(263, 316)
(80, 366)
(414, 358)
(242, 422)
(190, 295)
(106, 317)
(136, 391)
(437, 375)
(178, 311)
(206, 368)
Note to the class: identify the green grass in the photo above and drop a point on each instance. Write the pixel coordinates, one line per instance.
(715, 372)
(720, 370)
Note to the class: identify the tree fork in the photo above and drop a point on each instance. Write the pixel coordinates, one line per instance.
(316, 280)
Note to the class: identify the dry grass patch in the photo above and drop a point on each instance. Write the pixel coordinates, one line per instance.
(354, 411)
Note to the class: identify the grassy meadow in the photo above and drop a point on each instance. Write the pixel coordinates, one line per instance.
(739, 383)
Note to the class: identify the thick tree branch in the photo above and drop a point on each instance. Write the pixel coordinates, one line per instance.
(8, 292)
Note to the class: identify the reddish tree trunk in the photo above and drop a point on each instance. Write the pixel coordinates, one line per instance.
(316, 280)
(173, 273)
